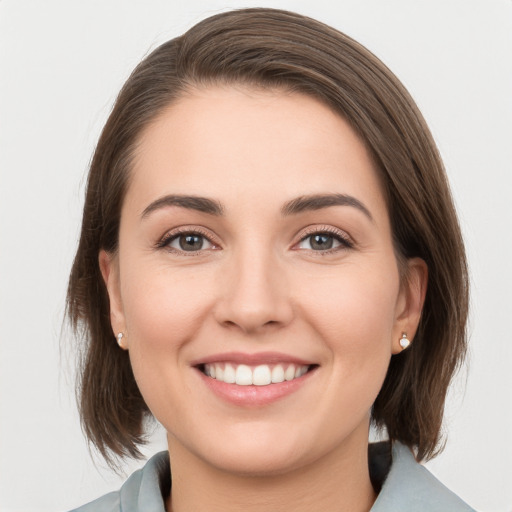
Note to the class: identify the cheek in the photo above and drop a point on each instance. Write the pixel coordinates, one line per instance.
(354, 310)
(164, 310)
(162, 306)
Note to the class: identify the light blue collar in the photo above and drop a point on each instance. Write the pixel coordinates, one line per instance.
(409, 487)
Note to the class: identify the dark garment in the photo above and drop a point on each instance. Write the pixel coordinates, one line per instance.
(406, 486)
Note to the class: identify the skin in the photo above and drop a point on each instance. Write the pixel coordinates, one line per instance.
(260, 284)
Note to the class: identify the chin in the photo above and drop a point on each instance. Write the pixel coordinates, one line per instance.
(255, 462)
(262, 450)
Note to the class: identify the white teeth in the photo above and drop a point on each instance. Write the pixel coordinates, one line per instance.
(289, 374)
(277, 374)
(300, 371)
(243, 375)
(229, 374)
(261, 375)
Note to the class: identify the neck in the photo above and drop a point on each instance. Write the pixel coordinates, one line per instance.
(339, 482)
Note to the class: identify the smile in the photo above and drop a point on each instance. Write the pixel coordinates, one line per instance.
(254, 380)
(260, 375)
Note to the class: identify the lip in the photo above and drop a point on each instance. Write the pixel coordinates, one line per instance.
(251, 359)
(253, 396)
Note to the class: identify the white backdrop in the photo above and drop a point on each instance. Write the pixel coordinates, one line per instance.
(61, 65)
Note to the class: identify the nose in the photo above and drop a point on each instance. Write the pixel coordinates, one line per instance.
(253, 293)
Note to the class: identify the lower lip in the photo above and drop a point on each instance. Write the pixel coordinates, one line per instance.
(254, 396)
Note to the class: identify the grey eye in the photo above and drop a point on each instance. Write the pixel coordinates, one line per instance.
(190, 242)
(320, 242)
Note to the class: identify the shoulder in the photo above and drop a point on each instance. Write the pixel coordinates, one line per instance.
(143, 491)
(108, 503)
(410, 486)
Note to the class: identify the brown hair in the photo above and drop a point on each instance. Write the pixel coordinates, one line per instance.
(278, 49)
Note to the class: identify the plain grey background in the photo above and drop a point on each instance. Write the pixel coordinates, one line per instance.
(61, 66)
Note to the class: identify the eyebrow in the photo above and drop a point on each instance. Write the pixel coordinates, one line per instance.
(293, 207)
(200, 204)
(319, 201)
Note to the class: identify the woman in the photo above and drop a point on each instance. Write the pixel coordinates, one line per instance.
(269, 236)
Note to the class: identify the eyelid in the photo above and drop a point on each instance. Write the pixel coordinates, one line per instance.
(345, 240)
(340, 235)
(163, 242)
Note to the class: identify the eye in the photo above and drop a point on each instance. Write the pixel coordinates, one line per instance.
(186, 241)
(324, 241)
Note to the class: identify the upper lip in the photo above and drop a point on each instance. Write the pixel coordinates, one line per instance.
(251, 359)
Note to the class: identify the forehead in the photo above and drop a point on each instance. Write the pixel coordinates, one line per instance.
(232, 142)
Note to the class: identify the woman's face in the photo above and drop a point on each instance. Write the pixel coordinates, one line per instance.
(255, 245)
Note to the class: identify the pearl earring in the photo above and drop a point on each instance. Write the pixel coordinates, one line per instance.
(120, 337)
(404, 341)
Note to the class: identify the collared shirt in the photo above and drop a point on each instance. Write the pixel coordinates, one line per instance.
(407, 487)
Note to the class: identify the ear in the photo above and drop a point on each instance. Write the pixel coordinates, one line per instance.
(109, 267)
(410, 302)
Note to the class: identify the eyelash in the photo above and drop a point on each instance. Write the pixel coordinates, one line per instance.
(339, 236)
(169, 237)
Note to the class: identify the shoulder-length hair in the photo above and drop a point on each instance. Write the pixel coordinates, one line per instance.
(275, 49)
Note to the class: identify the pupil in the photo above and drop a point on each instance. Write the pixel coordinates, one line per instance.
(191, 242)
(321, 242)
